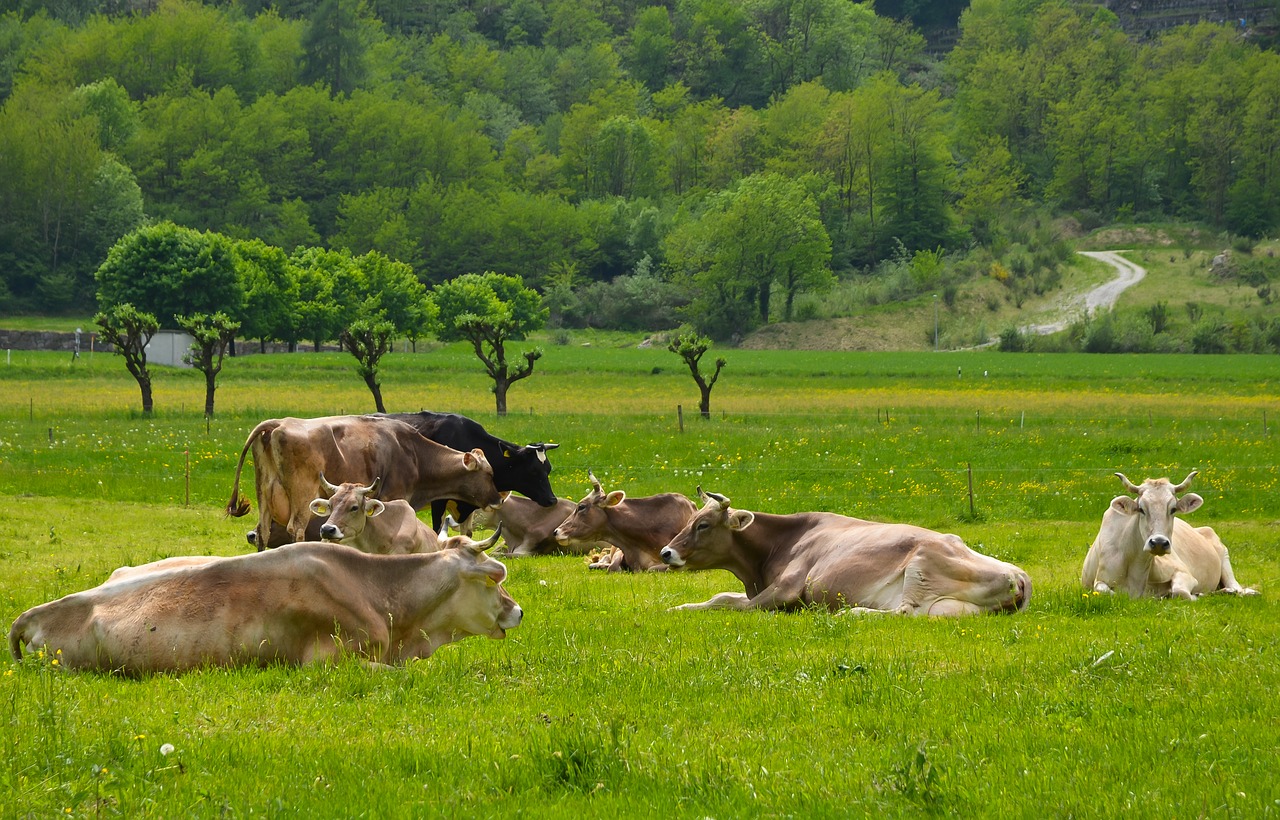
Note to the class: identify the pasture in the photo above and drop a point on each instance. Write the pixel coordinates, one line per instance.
(603, 702)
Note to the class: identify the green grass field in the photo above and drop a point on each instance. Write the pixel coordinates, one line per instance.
(605, 703)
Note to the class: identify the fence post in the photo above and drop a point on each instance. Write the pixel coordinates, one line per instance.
(680, 416)
(1265, 431)
(972, 514)
(979, 416)
(187, 454)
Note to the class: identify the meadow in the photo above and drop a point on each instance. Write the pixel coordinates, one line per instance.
(605, 703)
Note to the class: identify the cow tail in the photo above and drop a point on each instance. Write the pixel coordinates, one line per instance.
(239, 505)
(16, 633)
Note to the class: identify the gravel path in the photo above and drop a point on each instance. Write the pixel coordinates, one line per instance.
(1102, 297)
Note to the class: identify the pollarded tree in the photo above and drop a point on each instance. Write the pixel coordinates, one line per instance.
(130, 330)
(691, 347)
(489, 310)
(369, 340)
(212, 333)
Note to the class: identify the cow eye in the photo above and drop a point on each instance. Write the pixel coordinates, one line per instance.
(702, 525)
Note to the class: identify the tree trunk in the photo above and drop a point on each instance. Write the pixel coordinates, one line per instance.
(144, 384)
(210, 385)
(500, 395)
(704, 406)
(376, 390)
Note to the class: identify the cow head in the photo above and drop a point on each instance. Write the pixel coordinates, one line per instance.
(589, 521)
(526, 470)
(708, 537)
(475, 485)
(481, 605)
(1155, 503)
(347, 507)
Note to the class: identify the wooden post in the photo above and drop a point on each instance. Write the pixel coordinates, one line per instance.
(51, 435)
(1265, 431)
(680, 416)
(187, 454)
(979, 415)
(971, 511)
(1023, 421)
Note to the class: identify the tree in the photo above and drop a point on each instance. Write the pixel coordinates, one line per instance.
(130, 330)
(691, 347)
(369, 340)
(270, 286)
(334, 46)
(212, 333)
(488, 310)
(170, 271)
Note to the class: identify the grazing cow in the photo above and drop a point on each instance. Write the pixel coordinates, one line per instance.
(522, 469)
(638, 527)
(305, 603)
(289, 455)
(1143, 549)
(528, 528)
(355, 517)
(824, 559)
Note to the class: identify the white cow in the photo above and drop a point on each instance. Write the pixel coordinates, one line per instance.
(355, 518)
(1143, 549)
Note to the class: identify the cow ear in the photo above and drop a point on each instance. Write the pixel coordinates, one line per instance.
(471, 460)
(741, 519)
(1189, 503)
(490, 572)
(319, 507)
(374, 507)
(1124, 505)
(614, 498)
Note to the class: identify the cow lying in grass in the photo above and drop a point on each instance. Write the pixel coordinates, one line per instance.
(303, 603)
(355, 517)
(824, 559)
(1143, 549)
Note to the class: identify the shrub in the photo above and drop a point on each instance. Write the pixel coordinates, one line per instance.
(1013, 340)
(1208, 336)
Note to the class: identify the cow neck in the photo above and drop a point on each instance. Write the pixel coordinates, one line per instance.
(408, 587)
(765, 549)
(1137, 561)
(630, 521)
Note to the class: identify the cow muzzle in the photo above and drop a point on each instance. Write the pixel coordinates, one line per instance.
(671, 558)
(1158, 545)
(329, 532)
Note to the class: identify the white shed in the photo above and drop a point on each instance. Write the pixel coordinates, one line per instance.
(168, 347)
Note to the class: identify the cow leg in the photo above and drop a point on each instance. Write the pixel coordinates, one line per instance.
(1229, 584)
(952, 606)
(1182, 584)
(725, 600)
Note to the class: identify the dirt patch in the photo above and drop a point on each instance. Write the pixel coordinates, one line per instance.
(844, 333)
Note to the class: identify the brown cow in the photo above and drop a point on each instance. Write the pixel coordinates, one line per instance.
(638, 527)
(529, 528)
(289, 455)
(353, 516)
(1143, 549)
(304, 603)
(824, 559)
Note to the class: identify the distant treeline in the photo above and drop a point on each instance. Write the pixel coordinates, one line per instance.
(724, 149)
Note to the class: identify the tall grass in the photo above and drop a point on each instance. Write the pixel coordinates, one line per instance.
(605, 703)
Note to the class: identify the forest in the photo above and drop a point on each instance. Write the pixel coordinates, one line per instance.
(637, 164)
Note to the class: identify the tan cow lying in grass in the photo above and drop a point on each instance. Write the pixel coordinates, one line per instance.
(829, 560)
(303, 603)
(354, 517)
(1142, 548)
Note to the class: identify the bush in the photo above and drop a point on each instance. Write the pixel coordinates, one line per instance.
(1209, 336)
(1013, 340)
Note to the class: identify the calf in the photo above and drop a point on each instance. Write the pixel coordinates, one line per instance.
(353, 516)
(638, 527)
(829, 560)
(1143, 549)
(304, 603)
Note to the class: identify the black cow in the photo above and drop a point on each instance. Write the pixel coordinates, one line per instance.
(524, 469)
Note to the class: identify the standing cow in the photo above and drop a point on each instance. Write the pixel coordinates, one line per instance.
(1142, 548)
(289, 455)
(829, 560)
(522, 469)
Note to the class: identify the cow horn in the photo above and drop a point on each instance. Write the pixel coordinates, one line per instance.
(701, 495)
(595, 482)
(481, 546)
(723, 500)
(543, 446)
(324, 482)
(1128, 485)
(372, 490)
(1186, 482)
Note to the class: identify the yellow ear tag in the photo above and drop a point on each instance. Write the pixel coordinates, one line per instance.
(323, 508)
(368, 511)
(489, 582)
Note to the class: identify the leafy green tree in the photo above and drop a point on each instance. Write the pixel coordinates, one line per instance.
(395, 295)
(691, 348)
(169, 271)
(488, 310)
(270, 284)
(129, 331)
(329, 294)
(212, 333)
(369, 340)
(334, 46)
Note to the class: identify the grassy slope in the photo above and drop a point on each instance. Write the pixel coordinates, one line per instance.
(604, 703)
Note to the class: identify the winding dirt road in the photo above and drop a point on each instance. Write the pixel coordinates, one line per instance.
(1102, 297)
